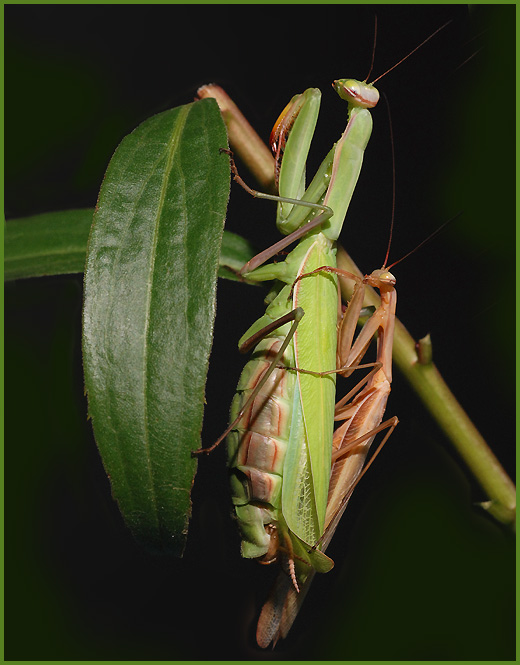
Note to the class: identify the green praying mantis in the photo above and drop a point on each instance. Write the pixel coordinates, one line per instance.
(291, 474)
(280, 441)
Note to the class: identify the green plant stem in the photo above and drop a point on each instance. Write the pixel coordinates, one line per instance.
(427, 382)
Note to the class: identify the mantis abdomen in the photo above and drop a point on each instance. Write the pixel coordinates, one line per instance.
(258, 446)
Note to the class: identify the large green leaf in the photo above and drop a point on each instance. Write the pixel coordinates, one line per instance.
(55, 243)
(150, 281)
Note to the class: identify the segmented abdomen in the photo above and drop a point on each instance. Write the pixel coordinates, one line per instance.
(257, 446)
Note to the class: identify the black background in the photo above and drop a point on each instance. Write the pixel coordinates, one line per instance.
(420, 573)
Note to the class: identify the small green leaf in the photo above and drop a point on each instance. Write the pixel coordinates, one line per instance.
(234, 253)
(149, 310)
(53, 243)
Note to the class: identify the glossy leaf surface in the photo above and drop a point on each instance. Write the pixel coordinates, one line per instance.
(150, 281)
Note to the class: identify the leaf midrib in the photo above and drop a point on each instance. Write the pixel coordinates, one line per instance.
(173, 144)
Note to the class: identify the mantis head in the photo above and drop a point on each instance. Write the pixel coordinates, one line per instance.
(380, 278)
(357, 93)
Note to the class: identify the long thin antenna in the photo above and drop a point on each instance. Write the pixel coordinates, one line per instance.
(393, 179)
(373, 48)
(468, 59)
(430, 237)
(412, 52)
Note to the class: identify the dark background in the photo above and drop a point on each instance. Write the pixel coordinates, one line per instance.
(421, 573)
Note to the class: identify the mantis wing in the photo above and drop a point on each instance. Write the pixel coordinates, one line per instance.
(308, 461)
